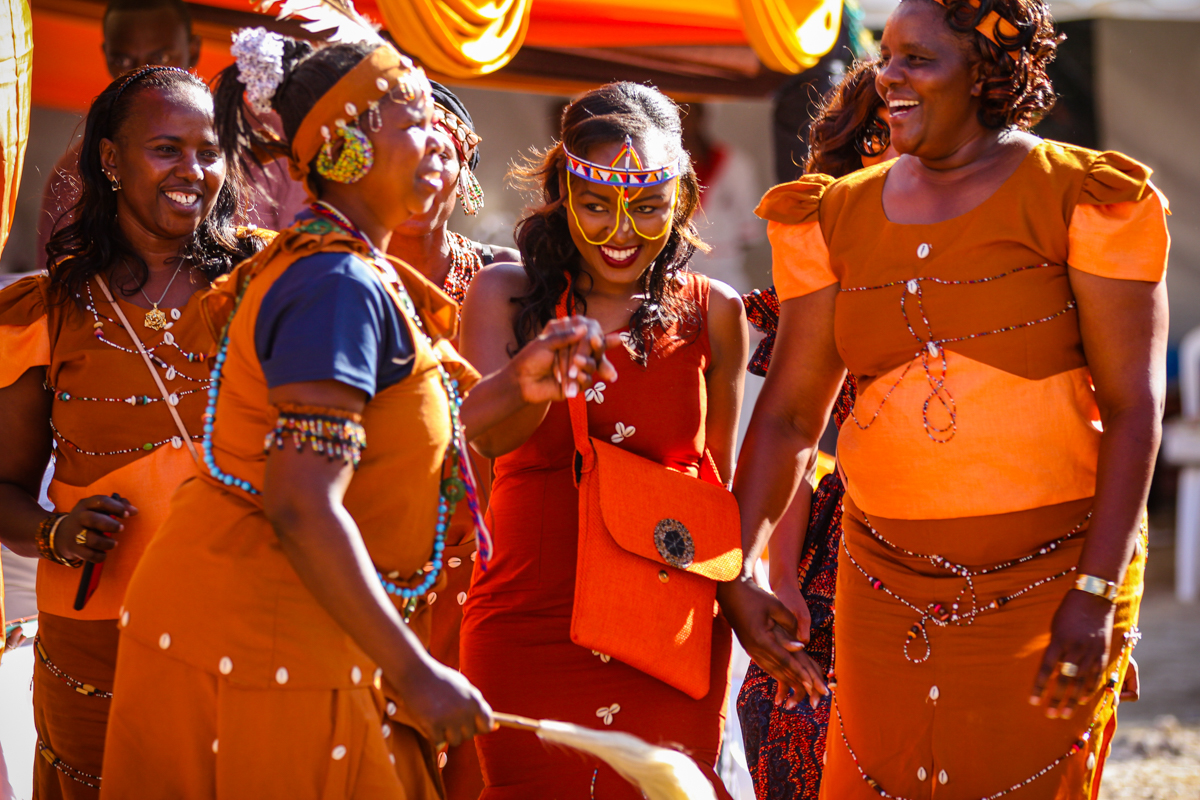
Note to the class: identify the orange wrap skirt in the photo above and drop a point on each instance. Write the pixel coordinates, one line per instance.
(72, 679)
(953, 721)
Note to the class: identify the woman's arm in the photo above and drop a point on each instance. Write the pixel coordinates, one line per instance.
(302, 498)
(1124, 329)
(779, 450)
(729, 340)
(25, 417)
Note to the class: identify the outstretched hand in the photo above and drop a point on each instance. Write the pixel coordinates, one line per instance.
(568, 356)
(768, 631)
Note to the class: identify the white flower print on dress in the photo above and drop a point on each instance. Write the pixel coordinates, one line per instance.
(623, 432)
(607, 712)
(596, 393)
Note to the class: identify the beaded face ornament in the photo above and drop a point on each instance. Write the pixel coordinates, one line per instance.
(466, 141)
(630, 180)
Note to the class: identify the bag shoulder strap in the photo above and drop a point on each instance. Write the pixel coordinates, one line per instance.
(166, 396)
(577, 407)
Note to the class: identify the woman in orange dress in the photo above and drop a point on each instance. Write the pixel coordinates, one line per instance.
(1000, 301)
(679, 392)
(451, 261)
(75, 385)
(266, 649)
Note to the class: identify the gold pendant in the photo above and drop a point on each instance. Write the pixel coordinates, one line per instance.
(156, 319)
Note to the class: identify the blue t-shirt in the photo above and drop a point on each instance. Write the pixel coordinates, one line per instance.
(329, 317)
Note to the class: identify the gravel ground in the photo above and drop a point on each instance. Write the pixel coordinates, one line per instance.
(1154, 762)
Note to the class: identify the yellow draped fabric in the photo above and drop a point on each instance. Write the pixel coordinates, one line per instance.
(791, 35)
(16, 55)
(458, 38)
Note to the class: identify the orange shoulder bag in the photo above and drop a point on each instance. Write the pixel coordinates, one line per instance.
(653, 542)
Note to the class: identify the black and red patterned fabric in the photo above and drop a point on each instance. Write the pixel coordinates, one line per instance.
(785, 749)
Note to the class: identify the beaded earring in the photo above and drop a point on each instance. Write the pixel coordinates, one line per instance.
(470, 193)
(355, 160)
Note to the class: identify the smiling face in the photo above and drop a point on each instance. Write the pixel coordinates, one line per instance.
(409, 173)
(620, 234)
(928, 81)
(166, 157)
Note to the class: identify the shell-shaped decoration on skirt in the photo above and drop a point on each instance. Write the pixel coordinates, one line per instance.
(596, 393)
(606, 713)
(623, 432)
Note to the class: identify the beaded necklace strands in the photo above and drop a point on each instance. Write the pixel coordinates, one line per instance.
(1107, 704)
(459, 483)
(465, 264)
(934, 348)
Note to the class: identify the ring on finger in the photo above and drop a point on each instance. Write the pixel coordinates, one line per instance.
(1068, 669)
(81, 537)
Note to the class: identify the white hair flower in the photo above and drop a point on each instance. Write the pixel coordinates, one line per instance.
(259, 55)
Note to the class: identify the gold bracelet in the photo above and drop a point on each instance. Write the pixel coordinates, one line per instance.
(1097, 586)
(45, 541)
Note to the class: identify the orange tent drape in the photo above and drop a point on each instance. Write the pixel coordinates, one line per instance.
(458, 38)
(791, 35)
(16, 54)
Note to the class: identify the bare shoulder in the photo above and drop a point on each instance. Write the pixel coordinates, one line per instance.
(724, 304)
(500, 279)
(502, 255)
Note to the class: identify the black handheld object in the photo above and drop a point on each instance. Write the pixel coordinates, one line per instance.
(90, 578)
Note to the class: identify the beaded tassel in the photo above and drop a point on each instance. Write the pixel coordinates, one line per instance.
(331, 435)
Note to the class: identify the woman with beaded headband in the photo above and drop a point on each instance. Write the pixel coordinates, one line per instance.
(1000, 300)
(272, 638)
(103, 364)
(613, 235)
(785, 736)
(452, 261)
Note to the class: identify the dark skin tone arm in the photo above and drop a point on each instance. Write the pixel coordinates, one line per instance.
(1124, 328)
(779, 452)
(726, 376)
(25, 414)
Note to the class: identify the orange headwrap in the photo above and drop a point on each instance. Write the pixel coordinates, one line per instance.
(993, 26)
(385, 70)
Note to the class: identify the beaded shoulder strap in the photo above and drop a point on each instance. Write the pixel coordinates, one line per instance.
(183, 431)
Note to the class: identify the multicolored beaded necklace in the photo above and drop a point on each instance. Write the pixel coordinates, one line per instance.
(465, 264)
(170, 373)
(934, 348)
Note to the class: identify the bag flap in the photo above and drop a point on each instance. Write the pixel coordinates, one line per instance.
(668, 517)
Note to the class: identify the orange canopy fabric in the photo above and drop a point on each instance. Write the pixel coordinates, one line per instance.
(16, 46)
(462, 39)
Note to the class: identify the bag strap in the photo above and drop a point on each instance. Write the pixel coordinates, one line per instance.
(577, 406)
(166, 396)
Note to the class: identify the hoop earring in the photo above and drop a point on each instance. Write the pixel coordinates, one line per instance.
(355, 160)
(114, 182)
(874, 139)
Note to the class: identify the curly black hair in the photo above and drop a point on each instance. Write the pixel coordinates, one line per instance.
(91, 244)
(606, 115)
(1016, 87)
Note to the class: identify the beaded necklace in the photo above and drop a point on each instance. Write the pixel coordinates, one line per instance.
(944, 615)
(465, 264)
(934, 348)
(460, 482)
(1107, 704)
(171, 373)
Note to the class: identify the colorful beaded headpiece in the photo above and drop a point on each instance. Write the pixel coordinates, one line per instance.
(466, 142)
(384, 73)
(631, 175)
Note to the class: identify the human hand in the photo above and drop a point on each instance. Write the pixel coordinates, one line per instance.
(1080, 637)
(80, 536)
(1131, 689)
(568, 356)
(768, 631)
(445, 707)
(15, 638)
(788, 592)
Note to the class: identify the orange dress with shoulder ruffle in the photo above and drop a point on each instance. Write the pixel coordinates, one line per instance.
(232, 680)
(112, 433)
(974, 441)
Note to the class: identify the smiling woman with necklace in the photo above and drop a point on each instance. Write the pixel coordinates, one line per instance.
(1000, 300)
(104, 363)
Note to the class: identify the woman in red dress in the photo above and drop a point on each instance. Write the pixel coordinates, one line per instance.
(625, 257)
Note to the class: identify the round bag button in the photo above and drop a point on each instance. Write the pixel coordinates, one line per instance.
(663, 576)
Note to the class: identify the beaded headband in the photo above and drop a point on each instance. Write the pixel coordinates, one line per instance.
(993, 27)
(465, 140)
(382, 72)
(624, 176)
(137, 75)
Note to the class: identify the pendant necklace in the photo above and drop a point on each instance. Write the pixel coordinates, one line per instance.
(156, 318)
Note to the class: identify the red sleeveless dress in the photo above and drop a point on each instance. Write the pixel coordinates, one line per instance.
(516, 644)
